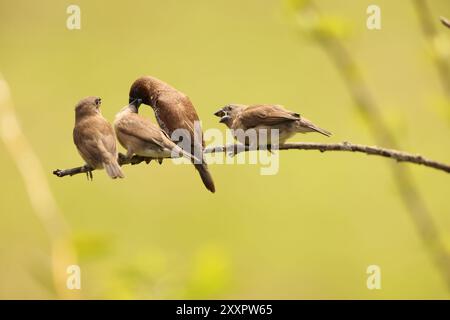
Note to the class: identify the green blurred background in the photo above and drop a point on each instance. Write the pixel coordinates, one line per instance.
(308, 232)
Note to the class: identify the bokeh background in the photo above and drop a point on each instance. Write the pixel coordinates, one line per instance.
(308, 232)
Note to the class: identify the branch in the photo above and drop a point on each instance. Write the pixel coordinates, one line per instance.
(365, 102)
(122, 160)
(400, 156)
(445, 22)
(432, 34)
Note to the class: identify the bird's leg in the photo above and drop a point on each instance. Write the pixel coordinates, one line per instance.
(88, 171)
(160, 160)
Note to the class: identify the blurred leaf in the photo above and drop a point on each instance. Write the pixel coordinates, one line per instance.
(143, 277)
(332, 27)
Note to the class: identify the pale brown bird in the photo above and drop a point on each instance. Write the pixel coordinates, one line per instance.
(94, 138)
(140, 136)
(236, 116)
(173, 110)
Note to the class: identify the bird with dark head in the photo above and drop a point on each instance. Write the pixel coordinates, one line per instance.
(267, 117)
(94, 138)
(173, 111)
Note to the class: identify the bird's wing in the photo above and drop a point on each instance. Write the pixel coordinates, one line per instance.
(143, 129)
(108, 139)
(176, 111)
(267, 115)
(95, 142)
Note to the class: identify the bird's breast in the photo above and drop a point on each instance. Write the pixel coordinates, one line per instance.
(161, 123)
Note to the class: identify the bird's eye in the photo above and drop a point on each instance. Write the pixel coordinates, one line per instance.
(98, 101)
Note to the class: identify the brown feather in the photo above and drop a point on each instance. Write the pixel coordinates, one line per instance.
(270, 117)
(173, 110)
(140, 136)
(94, 138)
(264, 115)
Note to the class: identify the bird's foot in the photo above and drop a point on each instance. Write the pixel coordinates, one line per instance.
(269, 148)
(135, 160)
(236, 149)
(89, 174)
(121, 158)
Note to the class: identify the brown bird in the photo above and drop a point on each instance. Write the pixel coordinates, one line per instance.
(236, 116)
(140, 136)
(173, 111)
(94, 137)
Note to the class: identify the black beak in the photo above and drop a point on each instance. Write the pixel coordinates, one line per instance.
(224, 119)
(98, 102)
(135, 102)
(219, 113)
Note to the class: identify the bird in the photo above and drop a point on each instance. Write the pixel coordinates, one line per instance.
(94, 138)
(139, 136)
(174, 111)
(265, 116)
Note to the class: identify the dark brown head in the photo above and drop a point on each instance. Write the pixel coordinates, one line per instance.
(144, 89)
(87, 107)
(228, 113)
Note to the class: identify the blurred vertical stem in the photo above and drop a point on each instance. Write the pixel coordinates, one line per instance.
(445, 22)
(41, 198)
(331, 42)
(437, 42)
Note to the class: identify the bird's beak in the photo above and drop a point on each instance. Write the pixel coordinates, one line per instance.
(225, 118)
(135, 102)
(219, 113)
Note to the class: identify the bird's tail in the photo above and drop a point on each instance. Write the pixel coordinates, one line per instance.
(202, 169)
(200, 165)
(113, 170)
(304, 125)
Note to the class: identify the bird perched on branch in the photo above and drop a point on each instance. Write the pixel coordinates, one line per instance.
(140, 136)
(241, 117)
(94, 138)
(176, 116)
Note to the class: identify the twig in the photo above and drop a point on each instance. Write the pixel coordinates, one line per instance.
(322, 147)
(365, 102)
(432, 34)
(42, 200)
(122, 160)
(445, 22)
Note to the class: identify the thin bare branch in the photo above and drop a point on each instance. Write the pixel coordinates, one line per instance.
(322, 147)
(433, 35)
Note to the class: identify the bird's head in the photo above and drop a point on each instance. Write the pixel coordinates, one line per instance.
(143, 90)
(228, 113)
(88, 106)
